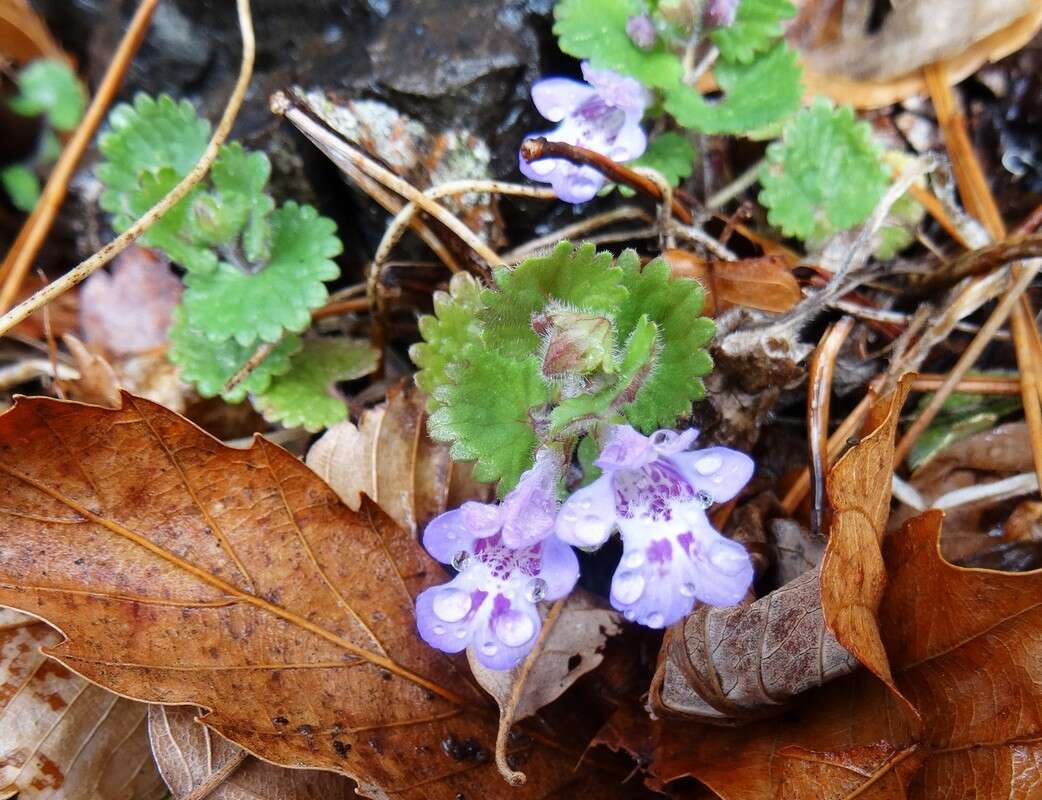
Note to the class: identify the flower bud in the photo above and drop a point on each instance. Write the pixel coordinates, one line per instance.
(641, 31)
(678, 12)
(576, 341)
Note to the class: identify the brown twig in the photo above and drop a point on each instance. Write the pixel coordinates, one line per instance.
(262, 352)
(33, 233)
(991, 385)
(539, 148)
(85, 268)
(985, 259)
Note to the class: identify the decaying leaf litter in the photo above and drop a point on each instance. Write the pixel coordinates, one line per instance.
(879, 361)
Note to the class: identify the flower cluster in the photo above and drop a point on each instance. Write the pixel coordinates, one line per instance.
(512, 555)
(602, 114)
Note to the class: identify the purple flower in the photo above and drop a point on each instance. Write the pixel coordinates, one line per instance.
(656, 492)
(508, 560)
(602, 114)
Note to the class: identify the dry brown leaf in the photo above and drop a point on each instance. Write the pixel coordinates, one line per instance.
(389, 457)
(191, 758)
(569, 646)
(765, 283)
(24, 35)
(183, 571)
(98, 383)
(732, 664)
(872, 70)
(61, 737)
(128, 310)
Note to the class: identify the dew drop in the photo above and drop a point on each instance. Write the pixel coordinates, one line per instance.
(687, 589)
(589, 530)
(439, 630)
(728, 559)
(630, 614)
(451, 605)
(704, 498)
(654, 620)
(489, 648)
(707, 465)
(627, 587)
(535, 590)
(584, 505)
(461, 561)
(570, 513)
(460, 633)
(633, 559)
(514, 628)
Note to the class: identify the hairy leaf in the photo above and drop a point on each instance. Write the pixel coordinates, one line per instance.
(486, 414)
(61, 737)
(208, 365)
(577, 277)
(49, 86)
(390, 458)
(231, 302)
(596, 30)
(824, 175)
(191, 758)
(183, 571)
(303, 395)
(239, 204)
(756, 26)
(446, 333)
(755, 95)
(674, 305)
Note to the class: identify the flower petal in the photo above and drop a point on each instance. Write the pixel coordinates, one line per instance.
(560, 568)
(528, 511)
(587, 517)
(555, 98)
(647, 585)
(630, 143)
(576, 184)
(448, 534)
(626, 448)
(722, 571)
(509, 634)
(617, 90)
(720, 472)
(447, 616)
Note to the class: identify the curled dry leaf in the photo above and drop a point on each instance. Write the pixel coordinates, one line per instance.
(732, 664)
(765, 283)
(569, 646)
(98, 383)
(61, 737)
(390, 458)
(191, 758)
(183, 571)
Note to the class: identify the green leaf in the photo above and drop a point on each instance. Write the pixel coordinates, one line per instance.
(637, 359)
(587, 452)
(49, 86)
(579, 278)
(230, 302)
(208, 365)
(303, 396)
(596, 30)
(446, 333)
(21, 185)
(171, 233)
(824, 175)
(756, 26)
(486, 414)
(755, 95)
(239, 177)
(961, 416)
(898, 229)
(671, 154)
(674, 305)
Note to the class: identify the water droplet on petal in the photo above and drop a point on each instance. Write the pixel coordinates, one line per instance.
(627, 587)
(570, 513)
(728, 559)
(461, 561)
(514, 628)
(654, 620)
(451, 605)
(633, 559)
(707, 465)
(584, 505)
(489, 648)
(460, 633)
(630, 614)
(535, 590)
(589, 530)
(438, 630)
(687, 589)
(704, 498)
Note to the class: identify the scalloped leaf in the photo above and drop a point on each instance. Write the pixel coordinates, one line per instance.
(143, 138)
(671, 154)
(596, 30)
(674, 305)
(49, 86)
(230, 302)
(577, 277)
(21, 185)
(171, 233)
(446, 333)
(303, 396)
(755, 95)
(756, 26)
(486, 414)
(825, 174)
(239, 177)
(208, 364)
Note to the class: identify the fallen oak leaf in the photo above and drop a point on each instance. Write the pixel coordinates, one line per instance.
(61, 737)
(569, 646)
(196, 763)
(183, 571)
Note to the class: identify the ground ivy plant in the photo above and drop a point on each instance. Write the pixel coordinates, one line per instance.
(253, 271)
(561, 346)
